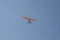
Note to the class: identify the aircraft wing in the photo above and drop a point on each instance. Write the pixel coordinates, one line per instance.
(29, 18)
(33, 19)
(26, 18)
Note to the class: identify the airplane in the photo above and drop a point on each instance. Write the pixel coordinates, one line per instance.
(29, 19)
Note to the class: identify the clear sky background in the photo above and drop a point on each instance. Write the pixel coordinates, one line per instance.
(14, 27)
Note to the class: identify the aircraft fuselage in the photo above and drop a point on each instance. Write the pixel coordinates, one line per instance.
(29, 21)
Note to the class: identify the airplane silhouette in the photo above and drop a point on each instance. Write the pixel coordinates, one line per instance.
(29, 19)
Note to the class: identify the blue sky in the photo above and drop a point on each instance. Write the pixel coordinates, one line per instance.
(14, 27)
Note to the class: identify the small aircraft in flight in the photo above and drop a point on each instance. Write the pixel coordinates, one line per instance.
(29, 19)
